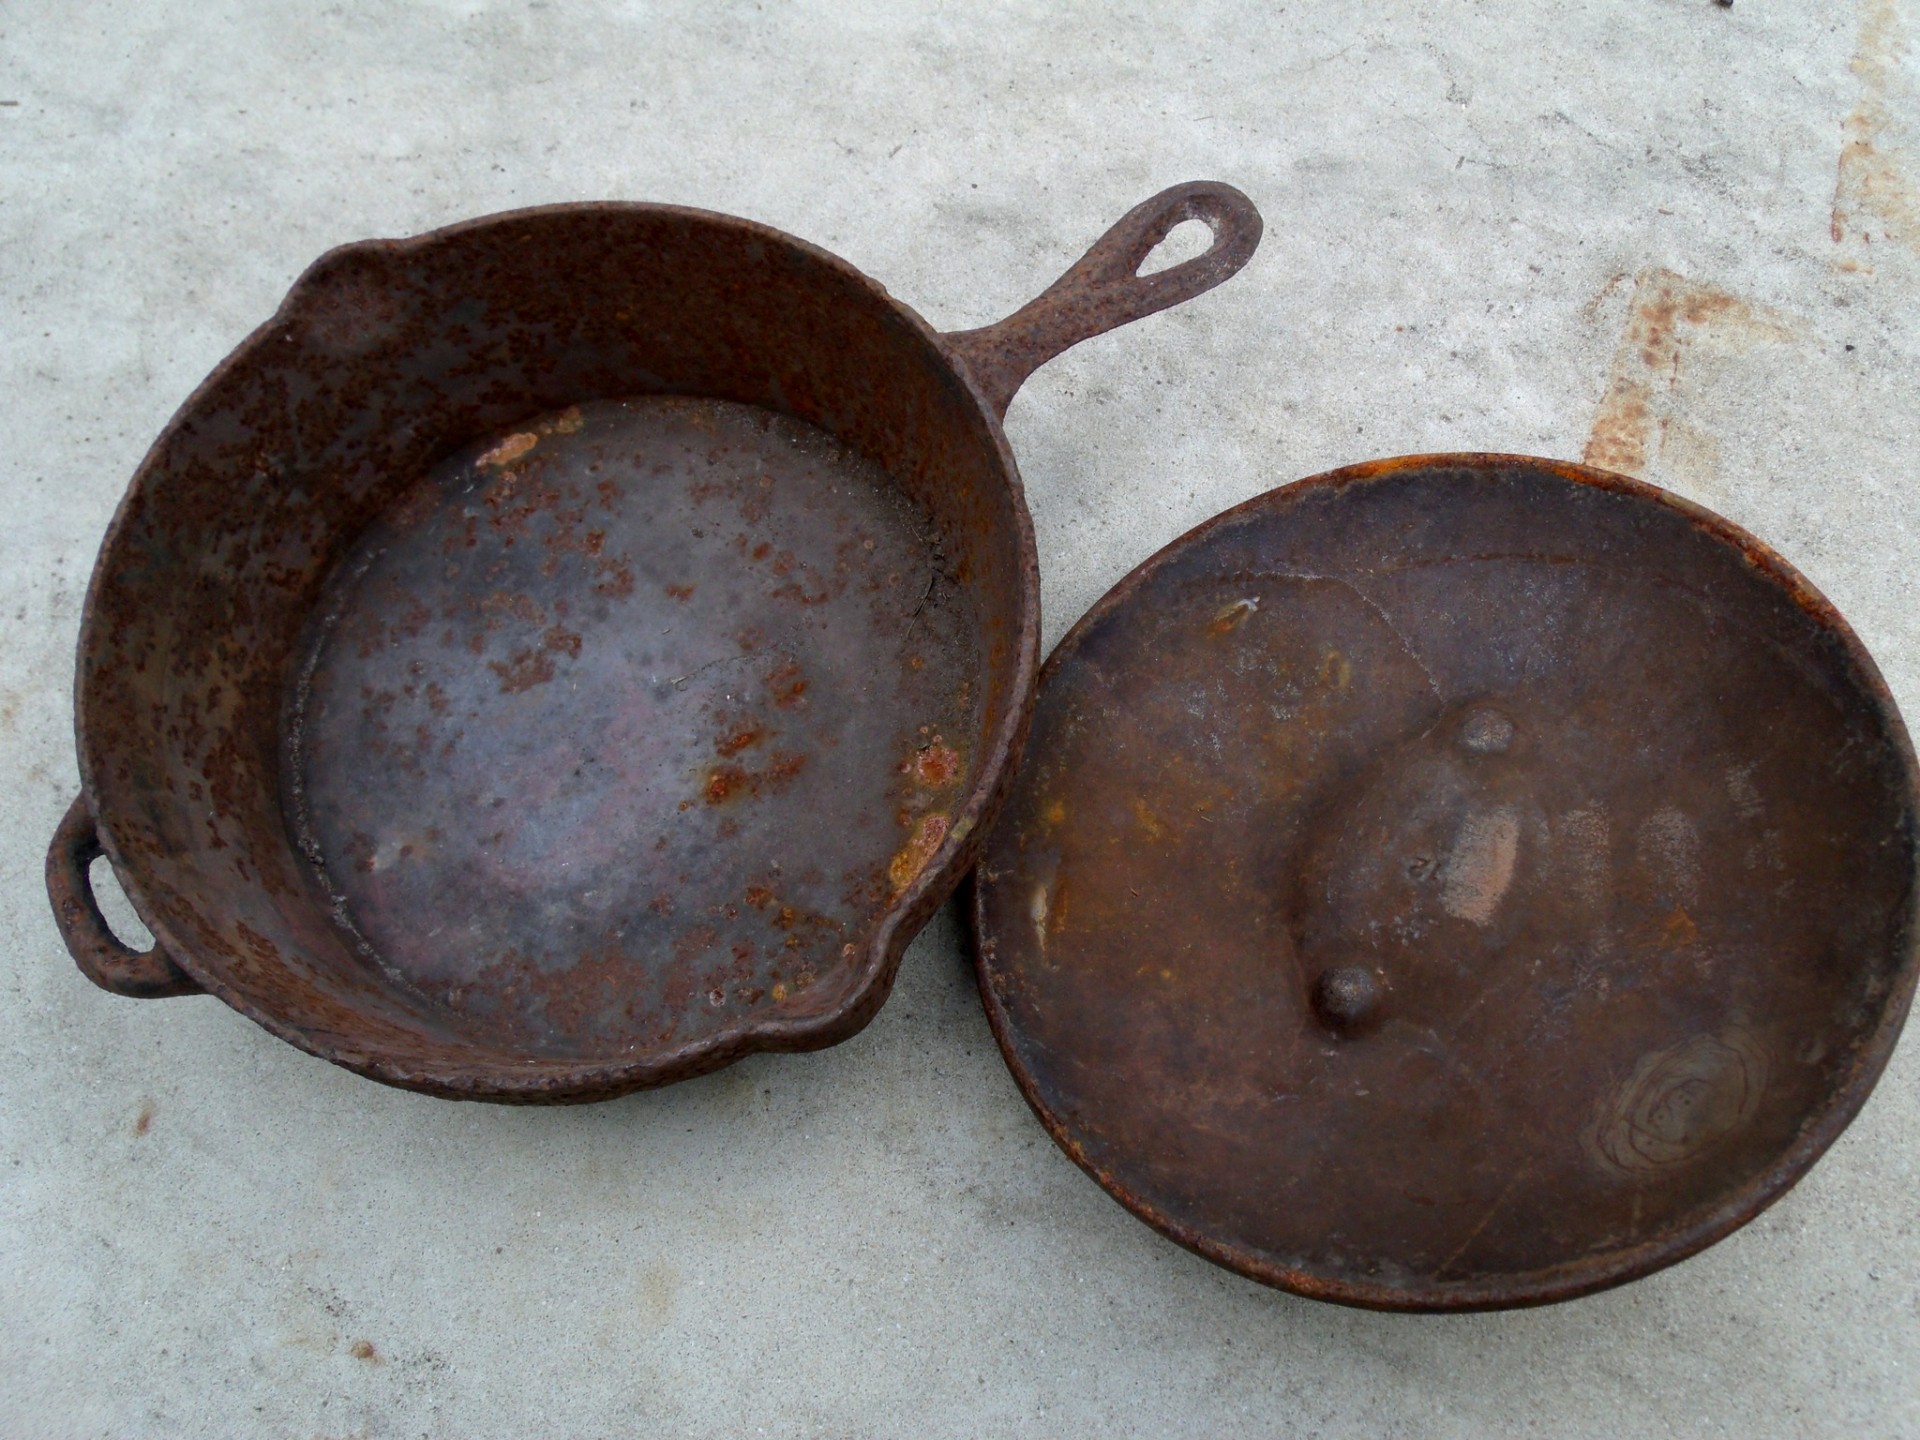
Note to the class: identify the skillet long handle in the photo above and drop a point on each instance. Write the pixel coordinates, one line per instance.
(1105, 290)
(99, 954)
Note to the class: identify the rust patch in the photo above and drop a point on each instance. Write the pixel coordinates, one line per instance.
(1148, 822)
(1873, 197)
(788, 687)
(912, 859)
(783, 768)
(527, 669)
(1055, 904)
(510, 449)
(350, 309)
(1336, 670)
(144, 1121)
(739, 740)
(1678, 931)
(1640, 418)
(364, 1350)
(937, 765)
(695, 942)
(1232, 616)
(725, 782)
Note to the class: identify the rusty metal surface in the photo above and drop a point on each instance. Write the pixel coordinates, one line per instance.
(568, 651)
(593, 794)
(1104, 289)
(143, 974)
(1452, 883)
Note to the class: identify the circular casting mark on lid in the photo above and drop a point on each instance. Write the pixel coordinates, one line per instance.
(1681, 1101)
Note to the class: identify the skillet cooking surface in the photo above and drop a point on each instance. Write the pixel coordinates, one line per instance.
(631, 719)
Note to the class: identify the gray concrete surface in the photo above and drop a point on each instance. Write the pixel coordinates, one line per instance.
(1676, 237)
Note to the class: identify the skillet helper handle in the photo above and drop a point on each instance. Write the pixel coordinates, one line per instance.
(1104, 290)
(101, 956)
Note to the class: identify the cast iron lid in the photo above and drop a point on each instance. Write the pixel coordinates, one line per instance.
(1454, 882)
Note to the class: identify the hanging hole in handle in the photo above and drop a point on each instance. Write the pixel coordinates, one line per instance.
(115, 908)
(1188, 240)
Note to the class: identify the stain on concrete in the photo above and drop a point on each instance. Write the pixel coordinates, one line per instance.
(1873, 197)
(1642, 418)
(659, 1290)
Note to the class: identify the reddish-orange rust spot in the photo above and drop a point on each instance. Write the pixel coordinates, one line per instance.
(723, 782)
(526, 670)
(740, 740)
(726, 781)
(785, 766)
(937, 766)
(682, 593)
(510, 449)
(787, 686)
(618, 584)
(927, 837)
(1678, 929)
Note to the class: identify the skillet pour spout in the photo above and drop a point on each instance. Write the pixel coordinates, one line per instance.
(568, 651)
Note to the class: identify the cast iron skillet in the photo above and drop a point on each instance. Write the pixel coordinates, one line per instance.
(568, 651)
(1454, 882)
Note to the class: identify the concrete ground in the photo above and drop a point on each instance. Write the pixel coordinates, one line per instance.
(1678, 238)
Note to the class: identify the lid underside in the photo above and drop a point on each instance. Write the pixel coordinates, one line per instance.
(1453, 883)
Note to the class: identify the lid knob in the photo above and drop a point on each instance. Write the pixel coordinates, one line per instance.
(1486, 731)
(1347, 997)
